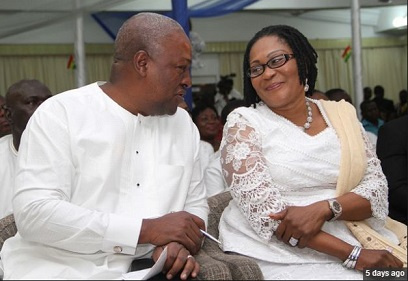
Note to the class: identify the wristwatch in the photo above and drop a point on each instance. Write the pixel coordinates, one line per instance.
(336, 208)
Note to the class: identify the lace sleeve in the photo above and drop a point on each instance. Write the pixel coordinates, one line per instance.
(246, 174)
(373, 186)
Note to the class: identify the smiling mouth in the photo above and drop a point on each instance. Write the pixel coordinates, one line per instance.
(273, 86)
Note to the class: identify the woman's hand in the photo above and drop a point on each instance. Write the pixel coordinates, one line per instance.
(377, 259)
(178, 259)
(301, 223)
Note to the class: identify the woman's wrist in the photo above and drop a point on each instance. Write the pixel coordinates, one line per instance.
(326, 214)
(351, 260)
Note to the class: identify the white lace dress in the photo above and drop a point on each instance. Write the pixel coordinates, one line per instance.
(269, 163)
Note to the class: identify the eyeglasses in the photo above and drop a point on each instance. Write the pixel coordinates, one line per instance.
(274, 62)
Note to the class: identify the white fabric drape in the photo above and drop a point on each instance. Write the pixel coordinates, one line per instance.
(384, 62)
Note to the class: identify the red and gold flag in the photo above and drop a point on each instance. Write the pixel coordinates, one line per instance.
(346, 53)
(71, 62)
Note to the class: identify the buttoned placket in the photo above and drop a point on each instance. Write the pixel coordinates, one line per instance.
(138, 127)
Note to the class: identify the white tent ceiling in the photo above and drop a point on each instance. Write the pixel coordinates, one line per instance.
(18, 16)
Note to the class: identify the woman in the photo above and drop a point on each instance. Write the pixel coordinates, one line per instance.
(291, 182)
(206, 118)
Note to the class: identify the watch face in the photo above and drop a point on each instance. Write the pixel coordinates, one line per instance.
(336, 206)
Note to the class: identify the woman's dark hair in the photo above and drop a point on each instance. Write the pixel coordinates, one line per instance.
(304, 53)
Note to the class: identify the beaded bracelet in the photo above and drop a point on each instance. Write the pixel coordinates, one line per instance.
(351, 260)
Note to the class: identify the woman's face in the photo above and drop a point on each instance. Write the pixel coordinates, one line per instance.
(277, 87)
(208, 124)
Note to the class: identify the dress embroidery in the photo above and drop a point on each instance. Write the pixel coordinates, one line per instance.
(256, 183)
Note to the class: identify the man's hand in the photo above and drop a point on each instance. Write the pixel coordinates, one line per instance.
(178, 259)
(181, 227)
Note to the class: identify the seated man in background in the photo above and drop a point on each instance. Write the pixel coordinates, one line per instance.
(109, 173)
(392, 150)
(338, 94)
(371, 117)
(4, 124)
(22, 99)
(318, 95)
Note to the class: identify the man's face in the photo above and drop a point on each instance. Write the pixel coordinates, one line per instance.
(170, 76)
(371, 112)
(22, 105)
(5, 128)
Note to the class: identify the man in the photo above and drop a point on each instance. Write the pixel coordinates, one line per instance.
(385, 106)
(318, 95)
(371, 117)
(22, 99)
(226, 92)
(392, 150)
(4, 124)
(338, 94)
(109, 173)
(367, 93)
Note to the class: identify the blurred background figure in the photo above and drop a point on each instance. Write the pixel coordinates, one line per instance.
(225, 92)
(368, 94)
(207, 120)
(402, 105)
(371, 117)
(385, 106)
(22, 99)
(4, 124)
(318, 95)
(338, 94)
(392, 147)
(213, 178)
(185, 106)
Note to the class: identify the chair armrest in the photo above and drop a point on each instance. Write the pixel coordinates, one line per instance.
(211, 269)
(240, 266)
(7, 228)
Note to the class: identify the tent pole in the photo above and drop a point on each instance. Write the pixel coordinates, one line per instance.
(356, 54)
(79, 46)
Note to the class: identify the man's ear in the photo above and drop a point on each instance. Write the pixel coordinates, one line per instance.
(140, 61)
(7, 114)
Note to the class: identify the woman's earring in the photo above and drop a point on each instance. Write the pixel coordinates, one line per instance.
(306, 88)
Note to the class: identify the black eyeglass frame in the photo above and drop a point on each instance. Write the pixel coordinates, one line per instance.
(286, 57)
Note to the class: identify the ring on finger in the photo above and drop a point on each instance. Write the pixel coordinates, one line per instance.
(189, 256)
(293, 241)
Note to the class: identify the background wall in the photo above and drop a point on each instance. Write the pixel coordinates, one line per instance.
(43, 53)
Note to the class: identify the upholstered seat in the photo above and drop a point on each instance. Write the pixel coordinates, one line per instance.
(7, 228)
(240, 267)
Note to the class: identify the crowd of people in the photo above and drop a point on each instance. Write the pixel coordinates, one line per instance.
(119, 171)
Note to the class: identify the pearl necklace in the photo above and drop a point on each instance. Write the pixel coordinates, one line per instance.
(309, 118)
